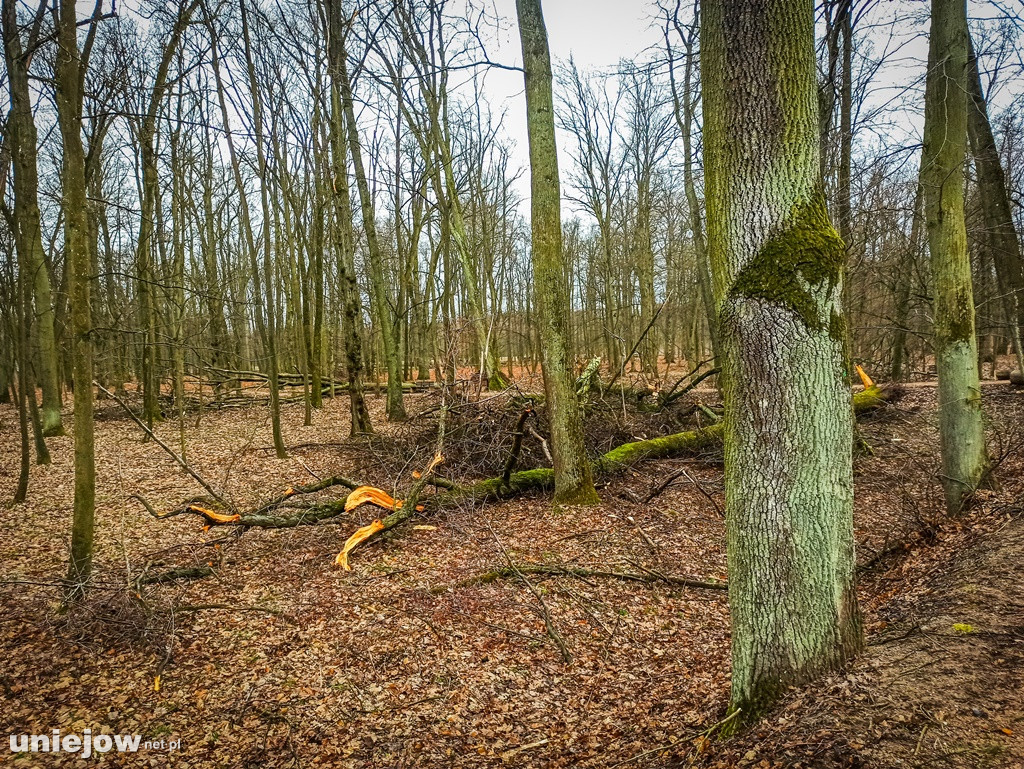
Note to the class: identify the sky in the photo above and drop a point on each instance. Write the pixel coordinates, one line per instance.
(597, 34)
(600, 33)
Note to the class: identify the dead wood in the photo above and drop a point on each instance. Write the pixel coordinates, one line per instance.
(503, 487)
(648, 576)
(174, 575)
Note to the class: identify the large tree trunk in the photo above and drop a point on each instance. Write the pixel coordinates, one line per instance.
(573, 481)
(69, 79)
(21, 130)
(777, 266)
(942, 175)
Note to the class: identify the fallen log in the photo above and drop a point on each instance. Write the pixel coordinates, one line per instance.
(173, 575)
(261, 517)
(619, 458)
(554, 570)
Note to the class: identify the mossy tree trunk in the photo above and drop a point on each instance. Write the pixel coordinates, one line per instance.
(573, 481)
(777, 267)
(962, 435)
(70, 83)
(21, 130)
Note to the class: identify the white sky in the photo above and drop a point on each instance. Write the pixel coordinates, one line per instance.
(596, 33)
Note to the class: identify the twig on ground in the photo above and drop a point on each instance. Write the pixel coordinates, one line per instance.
(549, 623)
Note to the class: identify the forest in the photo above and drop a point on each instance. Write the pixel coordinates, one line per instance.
(541, 383)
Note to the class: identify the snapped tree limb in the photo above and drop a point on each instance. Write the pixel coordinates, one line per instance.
(503, 487)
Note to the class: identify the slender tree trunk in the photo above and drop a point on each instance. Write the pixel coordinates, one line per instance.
(574, 483)
(685, 118)
(21, 131)
(344, 241)
(961, 430)
(269, 292)
(1000, 233)
(904, 277)
(264, 308)
(69, 77)
(23, 394)
(380, 305)
(146, 276)
(777, 265)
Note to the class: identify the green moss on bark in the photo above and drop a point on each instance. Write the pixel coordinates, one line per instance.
(807, 254)
(960, 321)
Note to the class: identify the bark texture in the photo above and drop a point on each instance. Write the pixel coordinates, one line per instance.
(961, 429)
(573, 481)
(69, 79)
(777, 267)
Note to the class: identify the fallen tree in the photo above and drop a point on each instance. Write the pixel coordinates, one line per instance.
(506, 486)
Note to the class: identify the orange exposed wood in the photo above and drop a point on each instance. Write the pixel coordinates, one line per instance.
(355, 539)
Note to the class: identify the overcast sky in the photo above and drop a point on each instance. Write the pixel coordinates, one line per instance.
(600, 33)
(597, 34)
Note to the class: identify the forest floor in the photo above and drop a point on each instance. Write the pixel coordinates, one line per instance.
(281, 659)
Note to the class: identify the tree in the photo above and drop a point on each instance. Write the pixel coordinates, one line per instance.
(683, 108)
(777, 267)
(379, 295)
(1000, 232)
(21, 130)
(146, 127)
(69, 78)
(344, 246)
(961, 430)
(573, 481)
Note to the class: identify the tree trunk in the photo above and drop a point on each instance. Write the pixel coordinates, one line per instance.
(381, 308)
(344, 243)
(573, 481)
(263, 305)
(904, 278)
(777, 267)
(1000, 232)
(961, 430)
(21, 130)
(70, 82)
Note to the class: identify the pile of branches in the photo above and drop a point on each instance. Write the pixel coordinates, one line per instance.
(484, 432)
